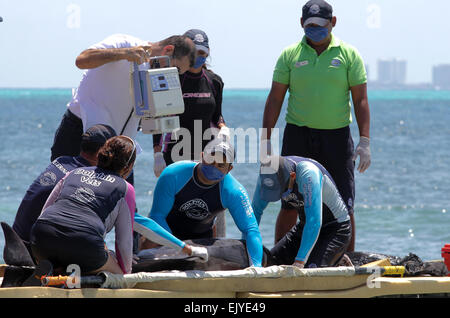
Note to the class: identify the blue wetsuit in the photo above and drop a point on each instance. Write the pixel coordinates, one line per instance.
(187, 208)
(31, 206)
(324, 230)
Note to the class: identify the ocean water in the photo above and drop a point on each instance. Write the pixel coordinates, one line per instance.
(402, 201)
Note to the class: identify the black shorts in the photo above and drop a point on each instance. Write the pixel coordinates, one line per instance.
(331, 245)
(331, 148)
(64, 246)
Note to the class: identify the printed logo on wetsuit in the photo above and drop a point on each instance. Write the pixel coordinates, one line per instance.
(196, 209)
(268, 182)
(59, 166)
(93, 178)
(307, 192)
(245, 202)
(336, 62)
(196, 95)
(84, 195)
(47, 179)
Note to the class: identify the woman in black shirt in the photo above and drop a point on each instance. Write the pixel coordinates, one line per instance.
(202, 94)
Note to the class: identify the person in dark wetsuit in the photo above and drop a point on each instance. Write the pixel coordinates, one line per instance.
(87, 204)
(323, 233)
(188, 196)
(202, 95)
(31, 206)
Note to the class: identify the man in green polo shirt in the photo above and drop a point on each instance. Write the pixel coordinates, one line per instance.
(321, 72)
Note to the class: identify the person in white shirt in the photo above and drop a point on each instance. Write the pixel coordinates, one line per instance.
(103, 95)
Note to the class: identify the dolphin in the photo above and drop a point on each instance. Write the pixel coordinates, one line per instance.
(223, 254)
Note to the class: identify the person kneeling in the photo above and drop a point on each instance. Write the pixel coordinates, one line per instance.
(324, 231)
(87, 204)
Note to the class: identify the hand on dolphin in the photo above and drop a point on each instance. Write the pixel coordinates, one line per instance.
(200, 252)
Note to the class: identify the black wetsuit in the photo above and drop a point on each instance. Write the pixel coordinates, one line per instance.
(85, 205)
(202, 96)
(31, 206)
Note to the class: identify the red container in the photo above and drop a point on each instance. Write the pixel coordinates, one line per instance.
(445, 252)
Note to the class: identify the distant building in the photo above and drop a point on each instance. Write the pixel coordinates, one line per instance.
(392, 72)
(441, 76)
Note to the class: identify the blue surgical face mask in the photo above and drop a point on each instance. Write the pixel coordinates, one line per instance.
(212, 173)
(316, 34)
(199, 61)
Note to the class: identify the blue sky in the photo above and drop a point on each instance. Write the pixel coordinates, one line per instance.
(41, 39)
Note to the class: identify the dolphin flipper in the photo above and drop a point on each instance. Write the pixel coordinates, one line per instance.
(15, 251)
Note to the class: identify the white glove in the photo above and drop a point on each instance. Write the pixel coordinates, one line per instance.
(265, 150)
(298, 264)
(159, 163)
(363, 150)
(224, 134)
(200, 252)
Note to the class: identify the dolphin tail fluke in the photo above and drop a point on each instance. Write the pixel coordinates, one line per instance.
(15, 252)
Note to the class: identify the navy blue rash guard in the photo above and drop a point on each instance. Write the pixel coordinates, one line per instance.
(314, 186)
(187, 208)
(93, 200)
(31, 206)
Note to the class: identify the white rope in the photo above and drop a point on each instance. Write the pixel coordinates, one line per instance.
(130, 280)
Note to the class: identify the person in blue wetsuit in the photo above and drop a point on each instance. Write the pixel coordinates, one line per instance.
(31, 206)
(323, 233)
(189, 195)
(87, 204)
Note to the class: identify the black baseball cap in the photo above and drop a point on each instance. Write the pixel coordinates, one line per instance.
(274, 177)
(97, 135)
(317, 12)
(199, 38)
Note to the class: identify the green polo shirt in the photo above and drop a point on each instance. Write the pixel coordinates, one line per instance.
(319, 86)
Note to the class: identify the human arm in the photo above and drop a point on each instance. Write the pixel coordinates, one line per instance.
(362, 111)
(258, 204)
(309, 181)
(362, 114)
(92, 58)
(55, 193)
(217, 118)
(163, 199)
(273, 107)
(357, 79)
(274, 102)
(235, 198)
(156, 233)
(124, 230)
(159, 163)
